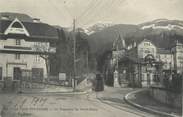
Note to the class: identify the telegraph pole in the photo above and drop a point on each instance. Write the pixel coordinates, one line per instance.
(87, 62)
(74, 51)
(117, 57)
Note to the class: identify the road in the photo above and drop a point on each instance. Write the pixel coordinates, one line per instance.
(65, 105)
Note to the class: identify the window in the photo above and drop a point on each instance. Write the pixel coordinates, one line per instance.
(17, 56)
(146, 51)
(1, 75)
(146, 44)
(143, 77)
(18, 42)
(180, 57)
(17, 25)
(37, 58)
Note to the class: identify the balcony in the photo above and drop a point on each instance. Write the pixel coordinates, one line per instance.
(28, 50)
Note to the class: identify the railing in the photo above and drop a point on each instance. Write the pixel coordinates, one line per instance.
(27, 49)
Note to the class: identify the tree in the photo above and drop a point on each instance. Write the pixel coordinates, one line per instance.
(63, 59)
(44, 50)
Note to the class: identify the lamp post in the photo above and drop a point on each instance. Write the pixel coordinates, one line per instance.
(148, 74)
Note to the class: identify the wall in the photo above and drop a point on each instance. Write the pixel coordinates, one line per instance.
(164, 96)
(178, 57)
(26, 61)
(167, 60)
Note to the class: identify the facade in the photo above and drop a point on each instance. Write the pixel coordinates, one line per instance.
(166, 57)
(24, 45)
(142, 69)
(146, 47)
(145, 64)
(177, 51)
(142, 58)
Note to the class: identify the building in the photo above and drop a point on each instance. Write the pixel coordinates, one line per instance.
(146, 47)
(140, 64)
(166, 57)
(177, 51)
(25, 45)
(118, 49)
(118, 52)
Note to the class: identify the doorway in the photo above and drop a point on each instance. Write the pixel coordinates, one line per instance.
(17, 73)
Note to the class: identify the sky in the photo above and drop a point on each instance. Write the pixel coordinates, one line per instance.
(88, 12)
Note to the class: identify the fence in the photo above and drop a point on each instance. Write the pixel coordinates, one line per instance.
(173, 84)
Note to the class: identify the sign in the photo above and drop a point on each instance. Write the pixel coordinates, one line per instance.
(62, 76)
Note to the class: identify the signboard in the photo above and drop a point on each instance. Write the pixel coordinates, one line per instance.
(62, 76)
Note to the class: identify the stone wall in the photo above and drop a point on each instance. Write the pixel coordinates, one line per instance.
(167, 97)
(9, 86)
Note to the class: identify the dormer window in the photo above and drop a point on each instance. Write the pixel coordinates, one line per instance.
(17, 25)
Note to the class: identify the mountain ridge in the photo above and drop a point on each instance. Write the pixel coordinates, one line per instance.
(162, 32)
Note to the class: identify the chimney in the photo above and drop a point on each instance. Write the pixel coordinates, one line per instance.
(5, 17)
(36, 20)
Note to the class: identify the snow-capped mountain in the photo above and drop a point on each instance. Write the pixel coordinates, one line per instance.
(97, 27)
(89, 29)
(163, 24)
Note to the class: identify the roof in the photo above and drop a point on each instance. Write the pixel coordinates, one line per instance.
(119, 43)
(11, 16)
(36, 30)
(146, 40)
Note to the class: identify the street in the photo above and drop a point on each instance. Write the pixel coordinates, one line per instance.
(66, 105)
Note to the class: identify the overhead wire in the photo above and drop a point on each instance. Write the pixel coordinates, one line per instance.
(102, 8)
(58, 10)
(94, 12)
(89, 11)
(93, 8)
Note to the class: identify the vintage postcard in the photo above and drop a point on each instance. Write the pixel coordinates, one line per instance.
(91, 58)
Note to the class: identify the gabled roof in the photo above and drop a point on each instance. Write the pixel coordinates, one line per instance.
(147, 40)
(36, 30)
(119, 43)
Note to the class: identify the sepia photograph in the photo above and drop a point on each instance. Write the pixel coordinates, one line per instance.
(91, 58)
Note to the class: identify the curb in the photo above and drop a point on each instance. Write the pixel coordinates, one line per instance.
(56, 93)
(146, 108)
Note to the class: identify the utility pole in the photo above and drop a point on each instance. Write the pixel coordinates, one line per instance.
(74, 51)
(87, 62)
(117, 57)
